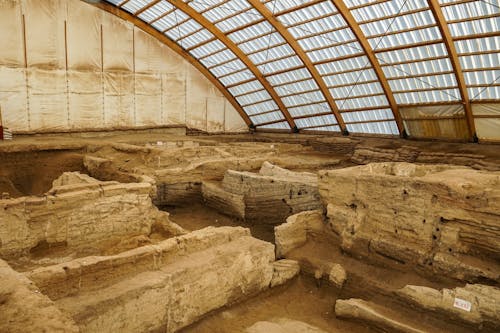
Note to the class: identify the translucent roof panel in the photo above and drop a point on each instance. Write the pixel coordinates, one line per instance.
(281, 126)
(386, 127)
(373, 58)
(316, 121)
(323, 129)
(471, 25)
(267, 117)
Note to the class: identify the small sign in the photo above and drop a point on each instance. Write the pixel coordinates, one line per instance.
(462, 304)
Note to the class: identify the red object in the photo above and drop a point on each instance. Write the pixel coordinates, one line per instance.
(1, 132)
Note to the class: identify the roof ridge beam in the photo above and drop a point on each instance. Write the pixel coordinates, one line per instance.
(200, 19)
(370, 54)
(119, 12)
(264, 11)
(455, 63)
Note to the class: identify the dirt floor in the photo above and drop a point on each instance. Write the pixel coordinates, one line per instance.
(301, 300)
(198, 216)
(32, 173)
(306, 298)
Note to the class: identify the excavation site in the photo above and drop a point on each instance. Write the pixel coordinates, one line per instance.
(249, 166)
(248, 233)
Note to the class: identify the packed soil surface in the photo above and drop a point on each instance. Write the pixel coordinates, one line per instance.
(198, 216)
(32, 173)
(300, 300)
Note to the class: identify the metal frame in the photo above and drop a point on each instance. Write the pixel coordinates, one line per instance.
(455, 62)
(266, 13)
(388, 80)
(239, 54)
(346, 14)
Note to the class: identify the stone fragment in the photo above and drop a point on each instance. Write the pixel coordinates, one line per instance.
(293, 233)
(474, 304)
(284, 271)
(358, 309)
(337, 275)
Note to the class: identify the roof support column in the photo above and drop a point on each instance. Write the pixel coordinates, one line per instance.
(455, 62)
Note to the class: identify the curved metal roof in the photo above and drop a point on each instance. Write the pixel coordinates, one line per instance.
(334, 65)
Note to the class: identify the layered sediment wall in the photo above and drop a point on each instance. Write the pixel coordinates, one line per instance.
(77, 210)
(442, 218)
(267, 197)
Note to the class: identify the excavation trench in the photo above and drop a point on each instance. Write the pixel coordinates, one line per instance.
(208, 236)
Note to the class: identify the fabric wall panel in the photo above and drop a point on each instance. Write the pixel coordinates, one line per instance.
(174, 98)
(48, 100)
(96, 82)
(148, 99)
(84, 36)
(433, 127)
(118, 100)
(196, 100)
(85, 100)
(233, 121)
(487, 128)
(149, 53)
(14, 98)
(45, 40)
(118, 44)
(215, 114)
(11, 34)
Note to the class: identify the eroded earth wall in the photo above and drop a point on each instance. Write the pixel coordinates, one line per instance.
(269, 196)
(442, 218)
(78, 210)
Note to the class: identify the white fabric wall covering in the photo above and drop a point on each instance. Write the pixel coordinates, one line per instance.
(118, 44)
(14, 98)
(96, 82)
(83, 36)
(232, 122)
(11, 34)
(45, 44)
(86, 104)
(196, 100)
(148, 99)
(487, 128)
(215, 118)
(47, 100)
(174, 97)
(149, 53)
(118, 100)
